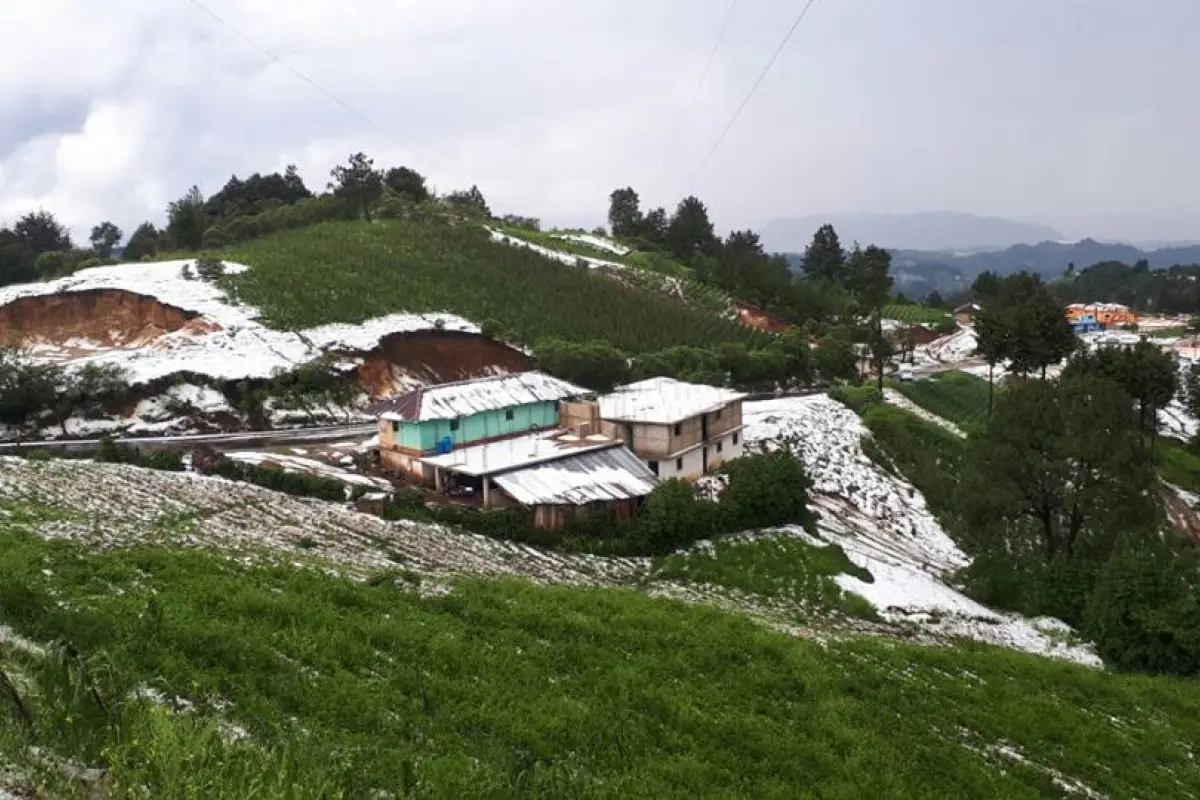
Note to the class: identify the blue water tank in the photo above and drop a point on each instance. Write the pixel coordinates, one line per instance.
(445, 445)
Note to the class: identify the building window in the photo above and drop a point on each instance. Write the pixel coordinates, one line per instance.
(719, 413)
(395, 427)
(678, 429)
(735, 438)
(508, 415)
(453, 424)
(653, 466)
(678, 464)
(720, 446)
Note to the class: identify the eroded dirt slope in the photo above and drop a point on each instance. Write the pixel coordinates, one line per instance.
(403, 360)
(99, 317)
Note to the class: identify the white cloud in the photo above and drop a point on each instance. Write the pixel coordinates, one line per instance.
(1076, 110)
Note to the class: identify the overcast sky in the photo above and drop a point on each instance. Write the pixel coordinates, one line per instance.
(1084, 114)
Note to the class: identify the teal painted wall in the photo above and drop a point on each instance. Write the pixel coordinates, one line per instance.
(485, 425)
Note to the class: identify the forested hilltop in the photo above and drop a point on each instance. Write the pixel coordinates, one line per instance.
(654, 295)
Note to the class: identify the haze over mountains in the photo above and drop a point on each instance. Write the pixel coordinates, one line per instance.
(935, 230)
(944, 251)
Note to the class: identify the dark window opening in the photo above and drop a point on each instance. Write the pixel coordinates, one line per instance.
(718, 413)
(735, 438)
(678, 429)
(720, 447)
(678, 463)
(653, 466)
(508, 415)
(453, 424)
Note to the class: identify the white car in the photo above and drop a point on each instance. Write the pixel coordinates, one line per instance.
(906, 372)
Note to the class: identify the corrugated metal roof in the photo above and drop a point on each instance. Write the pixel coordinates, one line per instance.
(610, 474)
(464, 398)
(664, 401)
(518, 451)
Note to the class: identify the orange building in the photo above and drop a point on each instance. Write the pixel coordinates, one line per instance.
(1108, 315)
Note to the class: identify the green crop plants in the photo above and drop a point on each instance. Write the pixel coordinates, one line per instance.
(352, 271)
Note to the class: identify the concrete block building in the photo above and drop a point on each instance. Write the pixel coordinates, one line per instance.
(681, 430)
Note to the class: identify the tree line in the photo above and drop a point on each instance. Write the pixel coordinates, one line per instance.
(1174, 290)
(840, 292)
(38, 246)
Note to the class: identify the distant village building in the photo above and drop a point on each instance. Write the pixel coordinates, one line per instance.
(1084, 323)
(681, 430)
(1104, 315)
(514, 440)
(966, 313)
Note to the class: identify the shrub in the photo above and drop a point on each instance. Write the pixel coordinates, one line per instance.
(215, 237)
(27, 390)
(858, 398)
(210, 269)
(293, 483)
(766, 491)
(1144, 613)
(169, 460)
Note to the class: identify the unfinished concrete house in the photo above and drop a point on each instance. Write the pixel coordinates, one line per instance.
(681, 430)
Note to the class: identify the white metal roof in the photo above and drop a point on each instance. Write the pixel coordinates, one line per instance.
(464, 398)
(664, 401)
(613, 473)
(519, 451)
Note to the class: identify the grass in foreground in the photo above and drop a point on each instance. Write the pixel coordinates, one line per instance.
(773, 566)
(503, 689)
(351, 271)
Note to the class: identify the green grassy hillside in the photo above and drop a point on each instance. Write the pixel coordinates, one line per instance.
(217, 680)
(351, 271)
(917, 315)
(954, 396)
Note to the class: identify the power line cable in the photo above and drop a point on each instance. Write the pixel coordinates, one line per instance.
(733, 120)
(712, 56)
(328, 94)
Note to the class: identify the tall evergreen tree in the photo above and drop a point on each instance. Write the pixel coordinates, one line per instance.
(654, 226)
(41, 232)
(105, 237)
(187, 220)
(624, 212)
(824, 258)
(143, 242)
(690, 232)
(358, 183)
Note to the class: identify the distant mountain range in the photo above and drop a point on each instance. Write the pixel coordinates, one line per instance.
(936, 230)
(919, 272)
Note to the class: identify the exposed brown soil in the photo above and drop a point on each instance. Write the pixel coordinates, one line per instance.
(106, 317)
(755, 317)
(402, 359)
